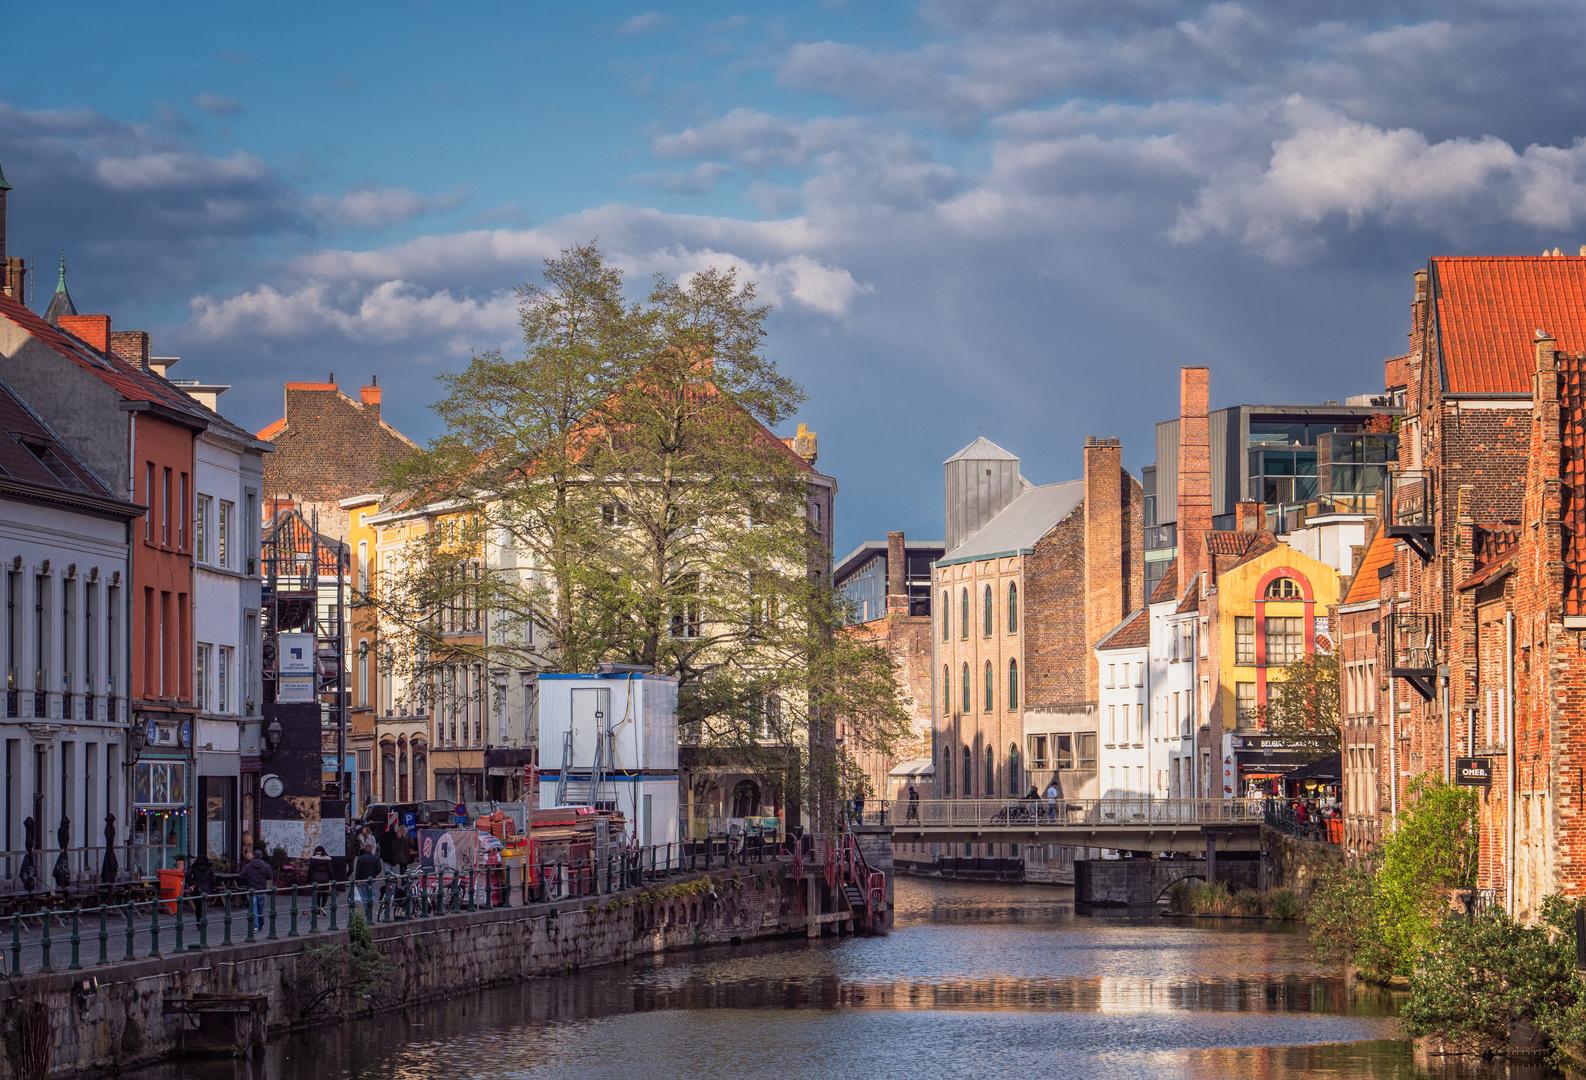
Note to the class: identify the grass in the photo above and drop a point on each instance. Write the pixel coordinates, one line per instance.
(1199, 898)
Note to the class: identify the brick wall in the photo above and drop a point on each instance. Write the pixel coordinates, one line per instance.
(1056, 642)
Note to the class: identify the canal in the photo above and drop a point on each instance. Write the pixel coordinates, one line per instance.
(976, 981)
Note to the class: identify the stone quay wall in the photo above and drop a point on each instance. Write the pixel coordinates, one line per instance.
(122, 1021)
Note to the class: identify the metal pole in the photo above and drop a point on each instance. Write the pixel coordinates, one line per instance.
(341, 682)
(1448, 731)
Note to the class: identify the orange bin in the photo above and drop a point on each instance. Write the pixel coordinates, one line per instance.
(170, 887)
(1335, 830)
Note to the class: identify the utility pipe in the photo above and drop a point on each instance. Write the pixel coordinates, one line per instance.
(1508, 722)
(1393, 735)
(1448, 733)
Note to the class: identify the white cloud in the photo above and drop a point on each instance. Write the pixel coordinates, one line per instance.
(373, 207)
(390, 311)
(218, 105)
(175, 169)
(696, 181)
(647, 23)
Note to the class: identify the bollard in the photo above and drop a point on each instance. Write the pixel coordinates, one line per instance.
(104, 934)
(77, 940)
(293, 932)
(131, 930)
(44, 945)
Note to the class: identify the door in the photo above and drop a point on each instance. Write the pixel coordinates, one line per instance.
(591, 717)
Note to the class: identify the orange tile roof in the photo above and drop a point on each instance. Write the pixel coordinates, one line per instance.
(1364, 586)
(273, 430)
(1488, 312)
(1133, 633)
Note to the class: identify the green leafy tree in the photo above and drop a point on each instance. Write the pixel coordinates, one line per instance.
(1303, 710)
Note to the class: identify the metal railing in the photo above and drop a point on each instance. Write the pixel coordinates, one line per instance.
(1308, 824)
(88, 935)
(1074, 813)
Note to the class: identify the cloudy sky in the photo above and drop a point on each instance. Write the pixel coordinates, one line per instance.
(1009, 217)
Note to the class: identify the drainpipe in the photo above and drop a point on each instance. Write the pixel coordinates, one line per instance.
(1508, 738)
(1393, 740)
(1448, 744)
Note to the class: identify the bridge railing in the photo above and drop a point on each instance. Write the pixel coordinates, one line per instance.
(1064, 813)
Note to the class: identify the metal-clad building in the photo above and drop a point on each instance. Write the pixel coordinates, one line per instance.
(980, 480)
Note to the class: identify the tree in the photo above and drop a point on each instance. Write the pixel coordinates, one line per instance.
(1302, 707)
(619, 490)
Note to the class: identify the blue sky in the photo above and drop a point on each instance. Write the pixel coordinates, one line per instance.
(1009, 217)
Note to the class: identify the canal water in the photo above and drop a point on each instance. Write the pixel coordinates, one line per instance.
(984, 981)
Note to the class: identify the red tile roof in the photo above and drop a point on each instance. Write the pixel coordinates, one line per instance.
(1364, 586)
(1488, 311)
(1133, 633)
(130, 381)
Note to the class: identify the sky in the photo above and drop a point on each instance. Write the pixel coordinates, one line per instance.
(1014, 218)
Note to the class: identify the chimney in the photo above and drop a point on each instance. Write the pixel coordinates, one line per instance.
(897, 575)
(803, 444)
(1194, 471)
(370, 396)
(1418, 309)
(1252, 516)
(133, 347)
(13, 271)
(1106, 547)
(94, 329)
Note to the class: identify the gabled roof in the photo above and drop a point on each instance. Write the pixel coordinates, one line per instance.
(1167, 588)
(1133, 633)
(982, 449)
(1230, 542)
(1262, 543)
(1365, 586)
(1191, 601)
(1488, 310)
(36, 465)
(1021, 524)
(130, 381)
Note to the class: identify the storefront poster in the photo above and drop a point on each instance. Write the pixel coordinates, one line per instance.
(298, 838)
(446, 849)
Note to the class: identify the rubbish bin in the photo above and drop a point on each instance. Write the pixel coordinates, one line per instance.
(170, 887)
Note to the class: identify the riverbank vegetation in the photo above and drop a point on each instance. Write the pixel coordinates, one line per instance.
(1199, 898)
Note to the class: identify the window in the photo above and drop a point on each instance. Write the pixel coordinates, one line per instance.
(1284, 588)
(1013, 684)
(206, 663)
(1087, 750)
(1065, 751)
(1112, 723)
(1285, 639)
(685, 607)
(1244, 639)
(181, 514)
(614, 515)
(1013, 609)
(159, 783)
(91, 639)
(947, 692)
(165, 508)
(1112, 676)
(991, 689)
(991, 774)
(228, 511)
(945, 771)
(363, 567)
(363, 672)
(1245, 704)
(990, 612)
(148, 500)
(965, 680)
(947, 616)
(250, 522)
(224, 665)
(1187, 637)
(969, 777)
(1038, 752)
(1139, 674)
(202, 510)
(963, 613)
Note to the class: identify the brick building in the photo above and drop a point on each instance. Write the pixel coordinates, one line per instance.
(329, 447)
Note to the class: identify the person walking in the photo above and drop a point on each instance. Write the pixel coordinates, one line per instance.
(319, 877)
(388, 848)
(914, 805)
(364, 872)
(257, 876)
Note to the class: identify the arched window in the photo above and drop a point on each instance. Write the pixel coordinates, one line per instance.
(991, 772)
(1284, 588)
(947, 692)
(1013, 684)
(1013, 609)
(1015, 776)
(963, 613)
(969, 774)
(990, 612)
(945, 771)
(947, 616)
(965, 681)
(990, 687)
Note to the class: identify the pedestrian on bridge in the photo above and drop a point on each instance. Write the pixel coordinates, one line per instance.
(914, 806)
(1052, 795)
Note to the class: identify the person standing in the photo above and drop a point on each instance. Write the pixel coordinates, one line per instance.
(319, 877)
(257, 876)
(365, 871)
(914, 805)
(1052, 795)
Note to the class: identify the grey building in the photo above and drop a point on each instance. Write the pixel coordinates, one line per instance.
(861, 578)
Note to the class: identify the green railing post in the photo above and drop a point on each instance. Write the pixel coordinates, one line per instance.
(16, 943)
(104, 934)
(253, 913)
(44, 944)
(154, 929)
(203, 922)
(313, 909)
(333, 901)
(273, 891)
(181, 935)
(132, 930)
(225, 919)
(293, 932)
(77, 940)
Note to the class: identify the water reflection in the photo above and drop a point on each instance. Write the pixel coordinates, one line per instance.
(976, 979)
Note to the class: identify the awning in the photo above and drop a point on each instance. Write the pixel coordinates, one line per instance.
(1327, 768)
(918, 767)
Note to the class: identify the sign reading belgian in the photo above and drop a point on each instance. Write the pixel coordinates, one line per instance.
(1473, 771)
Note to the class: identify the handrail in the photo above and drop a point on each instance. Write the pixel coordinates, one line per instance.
(1062, 814)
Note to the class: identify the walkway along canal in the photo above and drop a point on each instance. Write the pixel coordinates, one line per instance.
(188, 988)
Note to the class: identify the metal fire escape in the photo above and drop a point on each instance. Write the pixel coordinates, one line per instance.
(1409, 514)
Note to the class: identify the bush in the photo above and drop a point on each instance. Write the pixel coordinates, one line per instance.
(1283, 904)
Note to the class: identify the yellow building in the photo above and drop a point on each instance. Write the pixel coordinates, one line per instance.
(1270, 608)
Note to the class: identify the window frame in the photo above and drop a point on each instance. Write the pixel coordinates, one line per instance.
(1013, 607)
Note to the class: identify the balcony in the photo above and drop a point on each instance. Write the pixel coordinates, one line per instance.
(1410, 511)
(1412, 648)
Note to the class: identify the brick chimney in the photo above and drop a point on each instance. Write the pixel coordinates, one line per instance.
(1106, 544)
(132, 346)
(1194, 471)
(1252, 516)
(370, 396)
(897, 575)
(94, 329)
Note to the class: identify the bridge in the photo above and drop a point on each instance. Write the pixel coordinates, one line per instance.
(1188, 826)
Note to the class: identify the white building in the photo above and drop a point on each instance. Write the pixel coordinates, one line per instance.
(1177, 646)
(229, 480)
(1122, 662)
(64, 552)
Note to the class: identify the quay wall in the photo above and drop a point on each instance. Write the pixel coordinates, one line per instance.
(122, 1022)
(1297, 864)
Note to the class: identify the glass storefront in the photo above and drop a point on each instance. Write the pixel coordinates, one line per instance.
(160, 815)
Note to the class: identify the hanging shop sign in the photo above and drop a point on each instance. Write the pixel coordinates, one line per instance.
(298, 691)
(296, 655)
(1473, 772)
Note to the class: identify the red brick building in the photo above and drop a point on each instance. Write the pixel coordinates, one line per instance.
(328, 447)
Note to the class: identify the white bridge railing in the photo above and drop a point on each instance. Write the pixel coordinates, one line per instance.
(1025, 814)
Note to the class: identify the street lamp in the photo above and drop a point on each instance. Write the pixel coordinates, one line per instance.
(272, 736)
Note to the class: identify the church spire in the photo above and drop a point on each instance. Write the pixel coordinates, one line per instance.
(61, 302)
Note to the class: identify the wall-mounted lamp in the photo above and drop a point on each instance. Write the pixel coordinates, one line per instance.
(272, 736)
